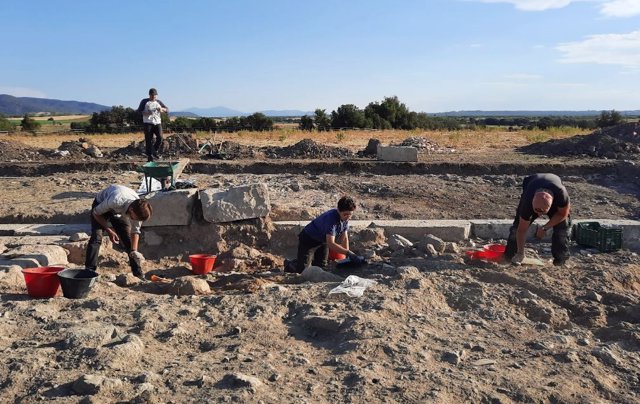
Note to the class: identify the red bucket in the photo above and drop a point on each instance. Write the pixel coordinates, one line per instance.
(491, 252)
(499, 248)
(202, 263)
(42, 282)
(336, 256)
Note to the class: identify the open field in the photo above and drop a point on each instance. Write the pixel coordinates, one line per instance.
(468, 141)
(435, 328)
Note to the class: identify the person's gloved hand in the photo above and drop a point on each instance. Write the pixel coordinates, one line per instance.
(518, 258)
(137, 257)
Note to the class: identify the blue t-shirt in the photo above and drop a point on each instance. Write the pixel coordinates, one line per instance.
(327, 223)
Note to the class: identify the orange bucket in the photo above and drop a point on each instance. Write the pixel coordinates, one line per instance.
(202, 263)
(336, 256)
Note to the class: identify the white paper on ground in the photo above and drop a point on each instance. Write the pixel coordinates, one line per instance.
(155, 186)
(353, 286)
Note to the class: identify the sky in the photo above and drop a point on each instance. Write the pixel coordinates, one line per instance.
(252, 55)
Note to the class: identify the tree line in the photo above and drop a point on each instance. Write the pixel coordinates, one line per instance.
(390, 113)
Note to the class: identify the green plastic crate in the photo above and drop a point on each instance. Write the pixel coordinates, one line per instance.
(605, 239)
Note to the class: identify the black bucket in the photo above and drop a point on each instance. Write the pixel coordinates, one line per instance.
(76, 283)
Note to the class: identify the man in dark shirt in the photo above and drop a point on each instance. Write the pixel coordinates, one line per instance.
(327, 231)
(542, 194)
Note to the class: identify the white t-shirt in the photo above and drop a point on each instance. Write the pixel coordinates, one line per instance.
(152, 113)
(116, 199)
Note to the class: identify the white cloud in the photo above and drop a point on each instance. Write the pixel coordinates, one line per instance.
(621, 8)
(22, 92)
(533, 5)
(606, 49)
(608, 8)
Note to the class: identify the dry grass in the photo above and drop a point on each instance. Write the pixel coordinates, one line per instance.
(470, 140)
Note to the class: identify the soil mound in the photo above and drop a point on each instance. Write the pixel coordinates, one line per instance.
(424, 145)
(172, 146)
(307, 148)
(180, 144)
(616, 142)
(77, 149)
(16, 151)
(230, 151)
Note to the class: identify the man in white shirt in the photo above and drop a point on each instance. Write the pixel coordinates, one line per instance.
(151, 109)
(122, 207)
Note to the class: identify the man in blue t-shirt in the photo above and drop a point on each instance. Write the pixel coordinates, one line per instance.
(327, 231)
(542, 194)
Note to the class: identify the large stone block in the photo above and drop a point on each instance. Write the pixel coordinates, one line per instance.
(397, 153)
(415, 230)
(45, 255)
(173, 208)
(239, 203)
(491, 229)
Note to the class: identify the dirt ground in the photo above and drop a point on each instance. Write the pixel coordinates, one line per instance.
(435, 328)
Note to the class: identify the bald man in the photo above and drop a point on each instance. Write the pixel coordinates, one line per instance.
(542, 194)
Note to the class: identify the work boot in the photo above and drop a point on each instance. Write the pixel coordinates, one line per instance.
(558, 262)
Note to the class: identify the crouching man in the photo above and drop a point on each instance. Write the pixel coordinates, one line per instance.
(125, 211)
(327, 231)
(542, 194)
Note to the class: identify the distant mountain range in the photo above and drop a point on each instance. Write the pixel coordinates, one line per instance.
(16, 106)
(224, 112)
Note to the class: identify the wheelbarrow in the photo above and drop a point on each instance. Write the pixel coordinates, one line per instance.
(160, 171)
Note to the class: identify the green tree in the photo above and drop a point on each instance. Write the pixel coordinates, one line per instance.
(306, 123)
(29, 124)
(259, 122)
(609, 118)
(348, 116)
(322, 120)
(182, 124)
(6, 125)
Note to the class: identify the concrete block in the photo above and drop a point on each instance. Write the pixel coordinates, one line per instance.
(630, 230)
(151, 238)
(10, 229)
(173, 208)
(239, 203)
(51, 229)
(45, 255)
(415, 230)
(397, 153)
(21, 262)
(491, 229)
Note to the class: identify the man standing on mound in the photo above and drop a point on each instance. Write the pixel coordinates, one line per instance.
(542, 194)
(151, 109)
(121, 207)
